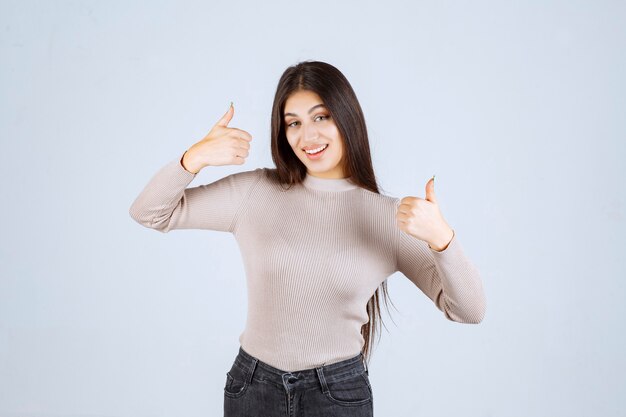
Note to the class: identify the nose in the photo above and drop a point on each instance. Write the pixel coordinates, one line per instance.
(310, 133)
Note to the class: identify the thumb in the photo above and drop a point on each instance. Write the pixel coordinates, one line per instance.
(226, 118)
(430, 190)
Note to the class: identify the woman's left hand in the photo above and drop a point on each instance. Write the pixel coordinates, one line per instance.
(422, 219)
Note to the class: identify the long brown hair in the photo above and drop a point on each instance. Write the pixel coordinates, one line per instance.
(341, 101)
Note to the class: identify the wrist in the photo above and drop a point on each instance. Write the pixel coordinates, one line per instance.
(189, 164)
(442, 244)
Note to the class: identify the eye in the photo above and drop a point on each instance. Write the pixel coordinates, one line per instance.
(320, 115)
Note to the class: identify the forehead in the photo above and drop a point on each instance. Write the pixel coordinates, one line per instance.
(302, 100)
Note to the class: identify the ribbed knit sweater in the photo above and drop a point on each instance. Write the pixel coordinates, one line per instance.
(313, 256)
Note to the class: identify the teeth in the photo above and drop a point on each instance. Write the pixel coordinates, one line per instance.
(317, 150)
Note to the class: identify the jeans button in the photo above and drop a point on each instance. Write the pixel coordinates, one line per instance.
(292, 379)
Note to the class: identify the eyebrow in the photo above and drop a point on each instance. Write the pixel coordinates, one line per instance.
(310, 110)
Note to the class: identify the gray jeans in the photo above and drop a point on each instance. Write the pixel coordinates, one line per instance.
(255, 389)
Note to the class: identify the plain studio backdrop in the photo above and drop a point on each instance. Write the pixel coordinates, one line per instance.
(518, 108)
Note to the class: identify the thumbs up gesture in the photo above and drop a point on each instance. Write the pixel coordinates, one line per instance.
(422, 219)
(223, 145)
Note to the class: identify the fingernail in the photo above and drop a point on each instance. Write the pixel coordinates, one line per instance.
(433, 178)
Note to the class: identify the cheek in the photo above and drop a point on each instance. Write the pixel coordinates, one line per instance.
(291, 140)
(332, 132)
(339, 151)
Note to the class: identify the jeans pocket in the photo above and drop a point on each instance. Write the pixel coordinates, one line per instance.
(352, 391)
(236, 383)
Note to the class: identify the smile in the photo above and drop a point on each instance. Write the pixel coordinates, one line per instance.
(317, 153)
(317, 150)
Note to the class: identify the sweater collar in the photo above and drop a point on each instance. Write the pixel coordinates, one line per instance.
(328, 184)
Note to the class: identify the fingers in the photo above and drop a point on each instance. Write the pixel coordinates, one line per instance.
(242, 134)
(407, 203)
(244, 147)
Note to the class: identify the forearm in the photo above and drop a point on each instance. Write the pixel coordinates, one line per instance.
(461, 295)
(156, 202)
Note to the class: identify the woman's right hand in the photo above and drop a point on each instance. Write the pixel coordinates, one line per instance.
(223, 145)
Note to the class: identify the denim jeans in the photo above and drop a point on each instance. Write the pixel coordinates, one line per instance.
(255, 389)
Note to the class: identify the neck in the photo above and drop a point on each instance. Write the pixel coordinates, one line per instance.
(328, 184)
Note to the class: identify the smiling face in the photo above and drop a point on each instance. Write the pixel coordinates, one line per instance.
(309, 126)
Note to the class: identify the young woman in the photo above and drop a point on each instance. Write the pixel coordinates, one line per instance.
(317, 240)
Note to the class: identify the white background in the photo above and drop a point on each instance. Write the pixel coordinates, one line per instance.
(517, 107)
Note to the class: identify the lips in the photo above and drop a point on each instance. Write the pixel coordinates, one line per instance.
(317, 155)
(310, 148)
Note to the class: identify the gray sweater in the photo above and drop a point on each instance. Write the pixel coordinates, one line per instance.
(313, 256)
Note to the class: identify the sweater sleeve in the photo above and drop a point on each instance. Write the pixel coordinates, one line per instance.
(448, 277)
(166, 204)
